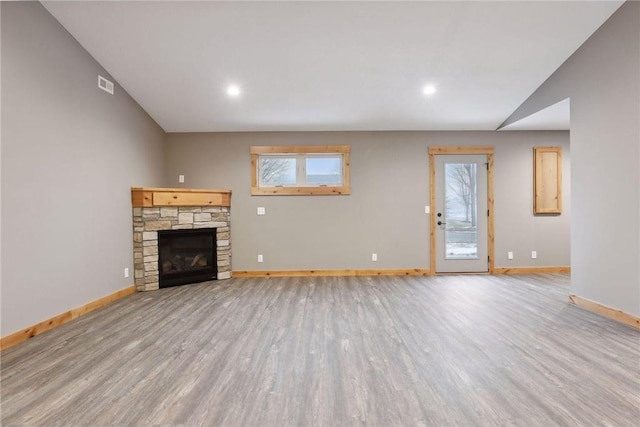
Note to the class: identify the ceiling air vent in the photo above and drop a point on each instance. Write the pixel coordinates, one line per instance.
(105, 84)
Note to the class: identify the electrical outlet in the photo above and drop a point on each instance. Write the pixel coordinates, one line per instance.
(374, 257)
(126, 272)
(534, 254)
(181, 179)
(261, 211)
(510, 255)
(260, 258)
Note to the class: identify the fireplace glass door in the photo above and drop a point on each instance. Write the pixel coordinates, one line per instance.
(186, 256)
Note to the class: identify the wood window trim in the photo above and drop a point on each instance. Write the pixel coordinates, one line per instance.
(489, 151)
(547, 180)
(343, 150)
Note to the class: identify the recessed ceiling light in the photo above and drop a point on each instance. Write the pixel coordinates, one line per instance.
(429, 90)
(233, 91)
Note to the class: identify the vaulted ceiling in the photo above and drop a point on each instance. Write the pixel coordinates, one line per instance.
(317, 65)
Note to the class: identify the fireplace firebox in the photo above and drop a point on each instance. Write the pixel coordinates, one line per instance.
(186, 256)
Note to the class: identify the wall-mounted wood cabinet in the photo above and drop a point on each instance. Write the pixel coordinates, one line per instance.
(547, 180)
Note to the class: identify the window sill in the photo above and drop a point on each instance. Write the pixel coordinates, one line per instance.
(300, 191)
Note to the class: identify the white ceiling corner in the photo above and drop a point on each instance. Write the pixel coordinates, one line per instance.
(553, 117)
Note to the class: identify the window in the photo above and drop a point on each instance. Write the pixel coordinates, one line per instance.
(300, 170)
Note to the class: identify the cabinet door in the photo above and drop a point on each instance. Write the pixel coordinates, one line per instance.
(547, 180)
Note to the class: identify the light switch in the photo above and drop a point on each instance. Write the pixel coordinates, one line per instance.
(262, 211)
(427, 209)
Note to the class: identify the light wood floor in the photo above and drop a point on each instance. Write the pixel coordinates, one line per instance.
(434, 351)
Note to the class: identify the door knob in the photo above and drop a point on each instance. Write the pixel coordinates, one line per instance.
(441, 223)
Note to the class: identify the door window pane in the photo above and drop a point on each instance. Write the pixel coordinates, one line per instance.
(461, 211)
(275, 170)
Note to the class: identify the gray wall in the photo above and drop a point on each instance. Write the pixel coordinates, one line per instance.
(384, 213)
(603, 80)
(70, 153)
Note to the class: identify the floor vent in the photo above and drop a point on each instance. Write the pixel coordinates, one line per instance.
(105, 84)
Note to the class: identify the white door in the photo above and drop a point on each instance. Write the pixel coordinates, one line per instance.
(461, 213)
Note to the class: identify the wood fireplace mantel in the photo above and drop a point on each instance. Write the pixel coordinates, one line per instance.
(146, 197)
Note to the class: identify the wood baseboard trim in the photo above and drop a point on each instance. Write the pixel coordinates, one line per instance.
(332, 273)
(530, 270)
(603, 310)
(32, 331)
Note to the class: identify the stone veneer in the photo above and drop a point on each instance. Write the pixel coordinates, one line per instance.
(147, 221)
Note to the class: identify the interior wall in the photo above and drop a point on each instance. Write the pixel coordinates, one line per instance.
(385, 211)
(602, 78)
(70, 153)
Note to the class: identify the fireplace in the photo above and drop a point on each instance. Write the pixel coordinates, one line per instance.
(180, 236)
(186, 256)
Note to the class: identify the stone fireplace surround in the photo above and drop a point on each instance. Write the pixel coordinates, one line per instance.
(156, 209)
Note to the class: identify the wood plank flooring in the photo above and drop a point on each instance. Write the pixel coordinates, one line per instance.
(326, 351)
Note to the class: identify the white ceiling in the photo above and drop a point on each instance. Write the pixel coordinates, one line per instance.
(331, 65)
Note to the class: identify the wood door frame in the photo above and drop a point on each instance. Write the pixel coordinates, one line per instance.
(488, 151)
